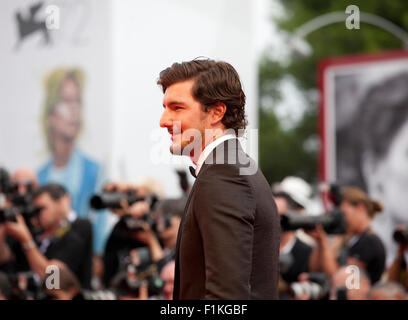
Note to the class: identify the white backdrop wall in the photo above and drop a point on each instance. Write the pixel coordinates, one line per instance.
(122, 46)
(148, 37)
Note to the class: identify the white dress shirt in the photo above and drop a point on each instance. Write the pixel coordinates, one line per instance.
(209, 148)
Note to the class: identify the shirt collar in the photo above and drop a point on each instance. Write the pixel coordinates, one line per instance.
(209, 148)
(289, 246)
(45, 242)
(72, 216)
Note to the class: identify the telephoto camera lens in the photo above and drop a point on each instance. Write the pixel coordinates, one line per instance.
(401, 236)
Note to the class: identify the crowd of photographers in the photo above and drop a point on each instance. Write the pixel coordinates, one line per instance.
(336, 255)
(46, 251)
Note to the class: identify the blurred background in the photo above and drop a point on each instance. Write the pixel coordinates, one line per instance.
(326, 88)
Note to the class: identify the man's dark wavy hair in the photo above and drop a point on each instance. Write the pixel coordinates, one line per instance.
(55, 191)
(215, 81)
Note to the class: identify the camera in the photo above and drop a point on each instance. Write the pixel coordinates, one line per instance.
(333, 222)
(114, 200)
(27, 285)
(20, 203)
(136, 268)
(315, 288)
(8, 214)
(156, 222)
(401, 236)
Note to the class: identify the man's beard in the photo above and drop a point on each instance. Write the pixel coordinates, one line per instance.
(178, 149)
(185, 147)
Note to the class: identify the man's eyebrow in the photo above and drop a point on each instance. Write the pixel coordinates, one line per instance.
(174, 102)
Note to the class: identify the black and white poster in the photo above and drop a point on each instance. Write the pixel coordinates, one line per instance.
(364, 132)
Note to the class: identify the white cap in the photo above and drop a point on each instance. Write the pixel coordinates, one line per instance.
(298, 189)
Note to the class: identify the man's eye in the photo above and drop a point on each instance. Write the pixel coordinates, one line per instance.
(177, 108)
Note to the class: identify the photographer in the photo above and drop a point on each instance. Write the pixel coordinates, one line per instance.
(58, 240)
(360, 246)
(398, 270)
(360, 285)
(24, 180)
(387, 291)
(69, 287)
(292, 195)
(168, 222)
(127, 241)
(18, 191)
(167, 275)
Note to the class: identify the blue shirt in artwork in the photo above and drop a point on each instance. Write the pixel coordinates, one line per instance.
(81, 176)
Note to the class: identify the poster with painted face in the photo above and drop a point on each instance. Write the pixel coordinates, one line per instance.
(68, 164)
(55, 96)
(364, 131)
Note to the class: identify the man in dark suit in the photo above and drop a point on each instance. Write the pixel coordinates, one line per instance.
(228, 241)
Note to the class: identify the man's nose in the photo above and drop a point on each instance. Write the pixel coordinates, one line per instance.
(165, 120)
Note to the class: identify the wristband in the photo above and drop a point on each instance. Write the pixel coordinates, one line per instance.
(29, 245)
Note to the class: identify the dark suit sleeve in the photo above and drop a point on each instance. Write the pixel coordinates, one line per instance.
(224, 208)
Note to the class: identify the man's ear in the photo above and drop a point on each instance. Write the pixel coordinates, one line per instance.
(217, 112)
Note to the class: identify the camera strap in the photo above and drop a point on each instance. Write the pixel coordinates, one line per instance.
(62, 230)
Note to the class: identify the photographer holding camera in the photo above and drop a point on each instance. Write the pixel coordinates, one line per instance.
(362, 247)
(398, 270)
(133, 241)
(17, 191)
(171, 211)
(292, 195)
(58, 240)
